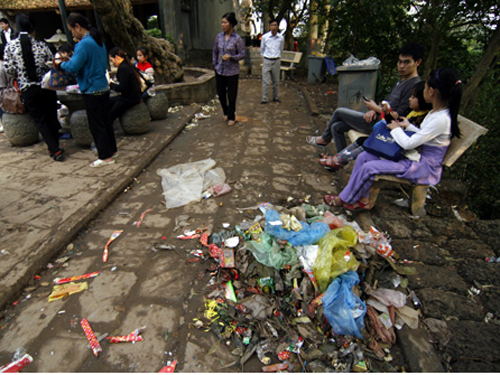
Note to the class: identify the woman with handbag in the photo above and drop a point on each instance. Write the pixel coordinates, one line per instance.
(26, 61)
(89, 62)
(443, 89)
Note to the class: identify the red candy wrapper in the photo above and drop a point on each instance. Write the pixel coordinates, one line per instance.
(141, 219)
(113, 237)
(94, 344)
(18, 365)
(170, 368)
(75, 278)
(131, 337)
(214, 251)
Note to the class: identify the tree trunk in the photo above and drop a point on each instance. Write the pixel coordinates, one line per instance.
(482, 69)
(128, 33)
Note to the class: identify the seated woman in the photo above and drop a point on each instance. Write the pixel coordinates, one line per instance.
(128, 84)
(443, 89)
(419, 109)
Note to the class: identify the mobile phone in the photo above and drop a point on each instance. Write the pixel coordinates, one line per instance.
(365, 99)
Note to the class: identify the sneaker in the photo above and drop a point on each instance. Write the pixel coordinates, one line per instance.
(276, 100)
(1, 128)
(263, 102)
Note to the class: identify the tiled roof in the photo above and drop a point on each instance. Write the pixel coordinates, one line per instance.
(41, 4)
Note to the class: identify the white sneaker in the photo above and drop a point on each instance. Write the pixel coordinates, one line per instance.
(1, 128)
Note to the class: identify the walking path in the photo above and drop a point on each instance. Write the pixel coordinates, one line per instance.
(46, 205)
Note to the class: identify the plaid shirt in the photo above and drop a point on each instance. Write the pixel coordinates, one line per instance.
(14, 63)
(233, 46)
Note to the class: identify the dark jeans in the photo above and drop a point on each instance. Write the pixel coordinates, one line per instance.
(42, 107)
(100, 124)
(227, 89)
(118, 107)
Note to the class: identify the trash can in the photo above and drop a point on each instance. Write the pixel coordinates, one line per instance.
(356, 81)
(317, 69)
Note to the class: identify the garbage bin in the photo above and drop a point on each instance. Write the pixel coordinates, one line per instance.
(317, 69)
(356, 81)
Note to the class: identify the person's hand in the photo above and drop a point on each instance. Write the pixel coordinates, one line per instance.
(370, 116)
(226, 57)
(403, 121)
(371, 105)
(393, 125)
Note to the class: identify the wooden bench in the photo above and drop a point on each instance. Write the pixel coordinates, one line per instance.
(470, 133)
(290, 58)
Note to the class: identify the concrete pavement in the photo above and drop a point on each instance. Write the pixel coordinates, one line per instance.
(44, 204)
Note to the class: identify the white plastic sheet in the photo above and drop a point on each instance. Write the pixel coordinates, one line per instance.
(185, 183)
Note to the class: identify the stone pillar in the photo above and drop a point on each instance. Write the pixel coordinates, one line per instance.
(20, 130)
(136, 120)
(79, 125)
(158, 106)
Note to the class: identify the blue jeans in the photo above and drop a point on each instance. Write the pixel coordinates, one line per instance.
(343, 120)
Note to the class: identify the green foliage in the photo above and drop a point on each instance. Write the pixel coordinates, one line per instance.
(455, 33)
(154, 32)
(479, 167)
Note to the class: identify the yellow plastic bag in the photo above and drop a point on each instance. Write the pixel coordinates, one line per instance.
(334, 257)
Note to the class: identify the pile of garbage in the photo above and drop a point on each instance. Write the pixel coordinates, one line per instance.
(286, 288)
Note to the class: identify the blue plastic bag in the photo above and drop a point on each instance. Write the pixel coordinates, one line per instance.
(342, 308)
(308, 235)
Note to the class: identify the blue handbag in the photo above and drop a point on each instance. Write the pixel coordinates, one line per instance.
(61, 78)
(381, 143)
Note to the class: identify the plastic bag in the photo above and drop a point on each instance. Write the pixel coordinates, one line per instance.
(334, 257)
(268, 252)
(308, 235)
(388, 297)
(342, 308)
(184, 183)
(307, 255)
(351, 60)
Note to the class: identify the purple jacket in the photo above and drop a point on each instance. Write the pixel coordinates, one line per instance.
(235, 47)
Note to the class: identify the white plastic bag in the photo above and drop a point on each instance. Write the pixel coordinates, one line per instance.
(351, 60)
(184, 183)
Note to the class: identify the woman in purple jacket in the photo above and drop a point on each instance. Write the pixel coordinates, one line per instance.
(228, 50)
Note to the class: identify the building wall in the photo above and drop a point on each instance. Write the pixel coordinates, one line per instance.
(193, 24)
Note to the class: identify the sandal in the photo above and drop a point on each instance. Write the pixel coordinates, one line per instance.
(329, 164)
(312, 141)
(331, 200)
(357, 207)
(101, 163)
(231, 122)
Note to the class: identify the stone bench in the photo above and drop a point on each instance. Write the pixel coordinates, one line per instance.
(20, 130)
(470, 132)
(157, 106)
(136, 120)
